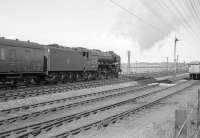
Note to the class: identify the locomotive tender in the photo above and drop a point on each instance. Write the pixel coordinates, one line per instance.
(32, 62)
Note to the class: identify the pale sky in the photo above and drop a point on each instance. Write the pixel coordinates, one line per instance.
(99, 24)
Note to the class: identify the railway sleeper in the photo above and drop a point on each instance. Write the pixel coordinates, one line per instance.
(48, 111)
(87, 127)
(65, 135)
(76, 131)
(35, 114)
(58, 124)
(47, 129)
(77, 117)
(24, 117)
(95, 112)
(86, 114)
(20, 131)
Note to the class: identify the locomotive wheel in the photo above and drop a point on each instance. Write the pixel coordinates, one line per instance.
(13, 83)
(27, 81)
(63, 78)
(37, 80)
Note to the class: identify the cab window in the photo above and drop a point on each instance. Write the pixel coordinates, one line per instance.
(86, 55)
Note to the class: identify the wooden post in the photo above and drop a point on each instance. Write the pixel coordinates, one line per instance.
(198, 110)
(167, 65)
(180, 118)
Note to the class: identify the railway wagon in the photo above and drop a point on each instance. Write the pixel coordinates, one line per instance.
(194, 70)
(20, 59)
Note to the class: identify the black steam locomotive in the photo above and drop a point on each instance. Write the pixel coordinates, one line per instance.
(25, 61)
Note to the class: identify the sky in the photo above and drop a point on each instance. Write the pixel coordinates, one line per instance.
(148, 30)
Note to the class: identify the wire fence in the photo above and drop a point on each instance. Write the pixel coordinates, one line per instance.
(183, 131)
(151, 69)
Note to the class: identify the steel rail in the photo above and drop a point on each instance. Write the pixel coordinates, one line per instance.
(110, 120)
(72, 105)
(62, 100)
(36, 129)
(59, 89)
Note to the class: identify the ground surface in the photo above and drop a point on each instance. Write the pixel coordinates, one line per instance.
(157, 122)
(55, 96)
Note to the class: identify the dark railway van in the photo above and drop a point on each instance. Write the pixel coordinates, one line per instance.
(20, 59)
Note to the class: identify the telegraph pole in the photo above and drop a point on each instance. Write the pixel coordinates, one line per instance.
(136, 66)
(175, 65)
(129, 62)
(184, 67)
(167, 64)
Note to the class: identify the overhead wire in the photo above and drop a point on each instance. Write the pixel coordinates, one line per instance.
(193, 5)
(194, 13)
(177, 15)
(197, 4)
(186, 4)
(152, 9)
(135, 15)
(185, 22)
(175, 11)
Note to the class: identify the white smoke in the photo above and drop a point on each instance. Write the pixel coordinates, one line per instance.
(159, 19)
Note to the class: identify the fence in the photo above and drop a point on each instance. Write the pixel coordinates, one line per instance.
(151, 69)
(186, 125)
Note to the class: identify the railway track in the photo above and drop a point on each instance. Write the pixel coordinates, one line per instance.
(36, 129)
(23, 86)
(36, 91)
(72, 98)
(99, 97)
(111, 119)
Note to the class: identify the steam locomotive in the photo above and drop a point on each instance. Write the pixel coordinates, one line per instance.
(28, 62)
